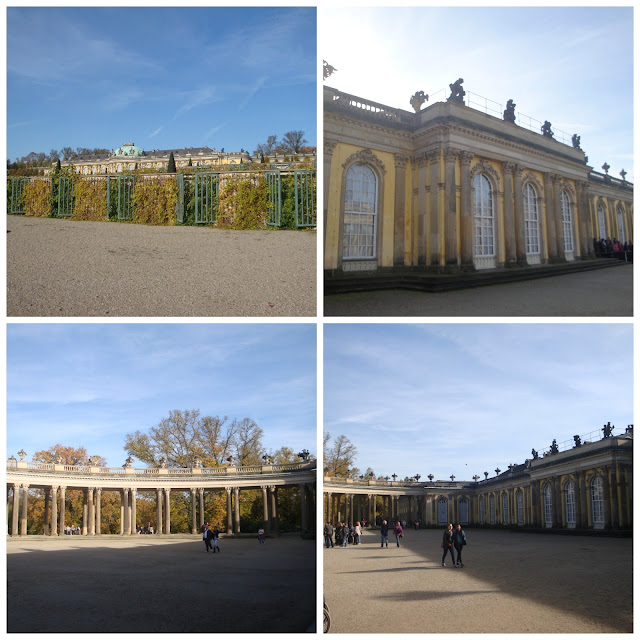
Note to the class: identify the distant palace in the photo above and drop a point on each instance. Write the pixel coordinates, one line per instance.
(129, 157)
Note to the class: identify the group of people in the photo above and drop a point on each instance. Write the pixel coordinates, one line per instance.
(397, 532)
(613, 249)
(210, 537)
(72, 531)
(344, 534)
(453, 539)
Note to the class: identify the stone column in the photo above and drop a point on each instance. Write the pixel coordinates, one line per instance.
(374, 515)
(201, 497)
(132, 508)
(550, 220)
(509, 215)
(236, 509)
(124, 512)
(555, 181)
(466, 213)
(450, 211)
(54, 511)
(47, 513)
(23, 518)
(90, 529)
(328, 507)
(303, 508)
(521, 245)
(194, 526)
(275, 528)
(422, 209)
(98, 512)
(229, 511)
(586, 243)
(15, 516)
(399, 206)
(62, 509)
(167, 511)
(158, 511)
(328, 146)
(434, 207)
(265, 509)
(85, 512)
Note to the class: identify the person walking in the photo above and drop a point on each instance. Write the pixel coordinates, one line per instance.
(397, 532)
(345, 534)
(261, 535)
(216, 533)
(384, 534)
(358, 533)
(459, 540)
(328, 535)
(207, 536)
(447, 545)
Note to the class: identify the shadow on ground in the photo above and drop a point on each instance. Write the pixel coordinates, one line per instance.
(147, 587)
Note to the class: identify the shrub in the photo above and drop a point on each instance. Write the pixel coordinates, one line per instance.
(90, 199)
(154, 201)
(37, 198)
(243, 203)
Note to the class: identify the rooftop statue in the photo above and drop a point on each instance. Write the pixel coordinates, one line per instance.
(554, 447)
(546, 129)
(418, 99)
(457, 92)
(509, 114)
(327, 70)
(575, 141)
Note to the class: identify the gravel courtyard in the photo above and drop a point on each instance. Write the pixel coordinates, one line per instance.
(80, 268)
(511, 583)
(150, 584)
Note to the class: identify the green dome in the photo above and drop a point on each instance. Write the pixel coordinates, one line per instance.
(128, 149)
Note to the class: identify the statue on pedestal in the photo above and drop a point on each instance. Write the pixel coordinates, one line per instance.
(418, 99)
(575, 141)
(509, 114)
(457, 92)
(546, 129)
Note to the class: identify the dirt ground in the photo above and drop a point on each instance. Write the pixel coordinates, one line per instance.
(80, 268)
(149, 584)
(511, 583)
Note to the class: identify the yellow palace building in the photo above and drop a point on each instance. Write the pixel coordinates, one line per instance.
(450, 188)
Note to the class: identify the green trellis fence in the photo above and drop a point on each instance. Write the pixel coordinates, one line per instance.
(291, 196)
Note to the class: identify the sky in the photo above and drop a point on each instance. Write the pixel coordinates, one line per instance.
(572, 66)
(159, 77)
(462, 399)
(88, 385)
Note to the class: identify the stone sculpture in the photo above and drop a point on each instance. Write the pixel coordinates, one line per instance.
(418, 99)
(509, 114)
(457, 92)
(546, 129)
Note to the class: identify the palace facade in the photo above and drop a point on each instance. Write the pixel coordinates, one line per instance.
(587, 487)
(451, 188)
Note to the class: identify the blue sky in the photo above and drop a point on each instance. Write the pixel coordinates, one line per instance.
(160, 77)
(91, 384)
(463, 399)
(572, 66)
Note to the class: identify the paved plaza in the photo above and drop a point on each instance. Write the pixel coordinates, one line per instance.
(81, 268)
(511, 583)
(603, 292)
(150, 584)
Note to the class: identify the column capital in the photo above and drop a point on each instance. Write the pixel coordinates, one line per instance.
(24, 485)
(400, 160)
(451, 154)
(329, 146)
(420, 159)
(509, 167)
(228, 490)
(433, 155)
(466, 157)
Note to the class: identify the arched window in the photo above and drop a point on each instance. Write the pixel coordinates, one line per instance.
(531, 224)
(520, 507)
(492, 509)
(483, 225)
(464, 511)
(481, 509)
(602, 227)
(505, 509)
(567, 224)
(548, 506)
(570, 504)
(360, 213)
(621, 235)
(597, 502)
(442, 511)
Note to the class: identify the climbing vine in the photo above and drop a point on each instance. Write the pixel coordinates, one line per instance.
(37, 198)
(154, 201)
(90, 199)
(243, 203)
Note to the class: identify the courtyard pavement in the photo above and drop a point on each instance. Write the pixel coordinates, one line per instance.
(81, 268)
(151, 584)
(511, 583)
(601, 292)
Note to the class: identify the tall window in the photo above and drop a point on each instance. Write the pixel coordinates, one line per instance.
(359, 239)
(483, 217)
(464, 511)
(481, 509)
(548, 506)
(597, 502)
(505, 509)
(531, 223)
(442, 511)
(570, 504)
(492, 509)
(520, 507)
(602, 227)
(621, 234)
(567, 225)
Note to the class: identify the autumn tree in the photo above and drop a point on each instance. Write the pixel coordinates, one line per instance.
(339, 457)
(293, 141)
(267, 148)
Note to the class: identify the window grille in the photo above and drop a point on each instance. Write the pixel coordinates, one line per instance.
(481, 508)
(621, 234)
(483, 217)
(570, 504)
(531, 222)
(442, 511)
(548, 506)
(360, 214)
(505, 509)
(567, 225)
(464, 512)
(520, 507)
(492, 510)
(597, 502)
(602, 229)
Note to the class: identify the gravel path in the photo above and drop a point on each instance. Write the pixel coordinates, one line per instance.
(79, 268)
(603, 292)
(147, 584)
(511, 583)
